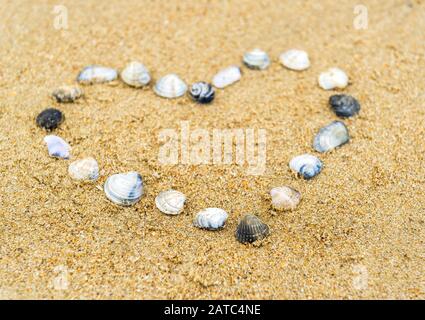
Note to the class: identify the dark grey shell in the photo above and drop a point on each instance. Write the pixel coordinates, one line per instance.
(251, 229)
(202, 92)
(50, 119)
(344, 106)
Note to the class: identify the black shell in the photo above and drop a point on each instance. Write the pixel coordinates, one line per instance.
(50, 119)
(202, 92)
(344, 106)
(251, 229)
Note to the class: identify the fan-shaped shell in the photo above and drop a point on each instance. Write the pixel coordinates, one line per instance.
(210, 219)
(136, 75)
(333, 135)
(256, 59)
(333, 78)
(66, 94)
(124, 189)
(285, 198)
(295, 59)
(227, 77)
(202, 92)
(84, 169)
(97, 74)
(57, 147)
(170, 86)
(251, 229)
(170, 202)
(306, 165)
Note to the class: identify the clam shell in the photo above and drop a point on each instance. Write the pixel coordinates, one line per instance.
(306, 165)
(285, 198)
(84, 169)
(202, 92)
(251, 229)
(170, 86)
(136, 75)
(124, 189)
(210, 219)
(333, 135)
(57, 147)
(344, 106)
(67, 94)
(333, 78)
(256, 59)
(295, 59)
(97, 74)
(170, 202)
(227, 77)
(50, 119)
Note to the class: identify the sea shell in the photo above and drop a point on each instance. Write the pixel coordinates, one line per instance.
(306, 165)
(57, 147)
(97, 74)
(66, 94)
(256, 59)
(124, 189)
(170, 202)
(344, 106)
(251, 229)
(170, 86)
(295, 59)
(227, 77)
(50, 119)
(84, 169)
(210, 219)
(333, 135)
(333, 78)
(285, 198)
(202, 92)
(136, 75)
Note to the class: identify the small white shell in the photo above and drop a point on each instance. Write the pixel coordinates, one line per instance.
(57, 147)
(124, 189)
(97, 74)
(285, 198)
(306, 165)
(66, 94)
(227, 77)
(333, 135)
(256, 59)
(136, 75)
(295, 59)
(170, 202)
(170, 86)
(210, 219)
(84, 169)
(333, 78)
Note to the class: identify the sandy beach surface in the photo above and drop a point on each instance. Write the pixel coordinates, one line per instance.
(359, 231)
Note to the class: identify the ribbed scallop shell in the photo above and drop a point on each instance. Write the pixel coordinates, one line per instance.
(227, 77)
(210, 219)
(170, 86)
(202, 92)
(57, 147)
(295, 59)
(333, 78)
(333, 135)
(124, 189)
(285, 198)
(136, 75)
(256, 59)
(170, 202)
(97, 74)
(84, 169)
(67, 94)
(306, 165)
(251, 229)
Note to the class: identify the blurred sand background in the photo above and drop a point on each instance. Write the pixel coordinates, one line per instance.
(359, 230)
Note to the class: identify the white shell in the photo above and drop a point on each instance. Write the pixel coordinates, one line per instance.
(333, 135)
(84, 169)
(97, 74)
(57, 147)
(136, 75)
(125, 188)
(227, 77)
(210, 219)
(295, 59)
(66, 94)
(306, 165)
(256, 59)
(170, 86)
(333, 78)
(170, 202)
(285, 198)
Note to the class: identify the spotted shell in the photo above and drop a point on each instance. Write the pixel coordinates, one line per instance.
(135, 75)
(97, 74)
(170, 202)
(285, 198)
(202, 92)
(67, 94)
(210, 219)
(84, 169)
(306, 166)
(251, 229)
(256, 59)
(226, 77)
(170, 86)
(124, 189)
(333, 135)
(57, 147)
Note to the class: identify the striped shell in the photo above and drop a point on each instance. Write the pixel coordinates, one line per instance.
(210, 219)
(226, 77)
(170, 86)
(306, 166)
(124, 189)
(285, 198)
(333, 135)
(202, 92)
(135, 75)
(170, 202)
(251, 229)
(256, 59)
(97, 74)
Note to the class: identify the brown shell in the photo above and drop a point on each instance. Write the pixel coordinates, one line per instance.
(251, 229)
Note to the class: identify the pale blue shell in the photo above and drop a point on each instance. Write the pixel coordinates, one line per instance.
(97, 74)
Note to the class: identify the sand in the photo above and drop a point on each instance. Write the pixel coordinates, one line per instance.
(359, 230)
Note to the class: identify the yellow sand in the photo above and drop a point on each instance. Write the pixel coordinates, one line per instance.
(359, 230)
